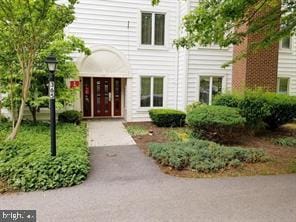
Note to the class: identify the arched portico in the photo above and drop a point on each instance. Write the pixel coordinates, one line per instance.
(103, 77)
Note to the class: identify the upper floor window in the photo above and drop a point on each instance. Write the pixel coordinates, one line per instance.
(283, 86)
(153, 29)
(286, 43)
(152, 91)
(209, 87)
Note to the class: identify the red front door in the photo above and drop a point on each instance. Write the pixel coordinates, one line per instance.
(102, 96)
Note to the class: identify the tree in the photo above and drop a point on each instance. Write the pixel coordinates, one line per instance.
(219, 22)
(27, 27)
(61, 48)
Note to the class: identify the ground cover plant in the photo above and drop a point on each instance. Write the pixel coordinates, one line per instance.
(135, 130)
(282, 161)
(286, 141)
(203, 156)
(26, 164)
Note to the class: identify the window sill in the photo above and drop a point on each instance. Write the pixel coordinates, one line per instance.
(285, 50)
(153, 47)
(146, 109)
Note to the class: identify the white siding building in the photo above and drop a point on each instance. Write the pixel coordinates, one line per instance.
(135, 67)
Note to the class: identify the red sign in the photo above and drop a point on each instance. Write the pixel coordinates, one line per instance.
(74, 84)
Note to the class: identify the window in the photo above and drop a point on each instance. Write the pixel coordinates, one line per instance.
(283, 86)
(153, 29)
(209, 87)
(152, 91)
(286, 43)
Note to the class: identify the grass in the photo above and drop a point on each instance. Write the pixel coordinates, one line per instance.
(285, 141)
(26, 164)
(179, 134)
(136, 130)
(203, 156)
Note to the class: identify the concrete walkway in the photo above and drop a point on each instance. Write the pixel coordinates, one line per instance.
(108, 133)
(125, 185)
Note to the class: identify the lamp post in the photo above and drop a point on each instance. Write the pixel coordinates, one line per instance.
(52, 62)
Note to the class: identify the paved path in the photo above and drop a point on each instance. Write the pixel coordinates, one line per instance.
(125, 185)
(108, 133)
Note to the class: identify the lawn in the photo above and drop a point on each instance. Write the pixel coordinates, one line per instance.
(278, 158)
(26, 164)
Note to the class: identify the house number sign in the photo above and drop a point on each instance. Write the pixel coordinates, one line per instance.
(51, 90)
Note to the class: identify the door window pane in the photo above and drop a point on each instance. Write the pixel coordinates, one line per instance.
(159, 29)
(145, 92)
(158, 92)
(286, 43)
(283, 86)
(146, 28)
(217, 86)
(204, 90)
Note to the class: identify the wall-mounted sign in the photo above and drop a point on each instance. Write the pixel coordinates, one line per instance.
(74, 84)
(51, 90)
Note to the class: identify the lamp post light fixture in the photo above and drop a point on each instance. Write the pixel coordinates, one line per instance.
(52, 62)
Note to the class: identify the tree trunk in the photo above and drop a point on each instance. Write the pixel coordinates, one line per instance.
(27, 73)
(33, 111)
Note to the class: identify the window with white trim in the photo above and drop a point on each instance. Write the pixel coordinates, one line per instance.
(286, 43)
(209, 87)
(152, 28)
(283, 86)
(152, 91)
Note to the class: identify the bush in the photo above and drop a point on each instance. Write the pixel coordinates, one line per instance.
(192, 106)
(214, 122)
(3, 119)
(285, 141)
(26, 164)
(282, 110)
(167, 117)
(261, 109)
(203, 156)
(70, 116)
(229, 100)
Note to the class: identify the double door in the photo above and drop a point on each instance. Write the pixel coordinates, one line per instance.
(103, 97)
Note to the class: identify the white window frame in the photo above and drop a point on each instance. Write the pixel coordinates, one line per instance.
(152, 91)
(287, 49)
(211, 76)
(288, 86)
(166, 26)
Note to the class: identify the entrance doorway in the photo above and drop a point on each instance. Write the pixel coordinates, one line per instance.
(102, 97)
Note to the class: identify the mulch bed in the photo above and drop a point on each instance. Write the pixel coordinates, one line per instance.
(280, 163)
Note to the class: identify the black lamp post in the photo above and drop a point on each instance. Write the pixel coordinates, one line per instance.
(52, 62)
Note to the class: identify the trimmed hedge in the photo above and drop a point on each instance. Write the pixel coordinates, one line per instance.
(70, 116)
(214, 121)
(203, 156)
(26, 164)
(261, 108)
(167, 117)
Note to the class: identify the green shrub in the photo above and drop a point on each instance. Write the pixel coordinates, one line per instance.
(285, 141)
(70, 116)
(261, 109)
(254, 107)
(282, 109)
(229, 100)
(167, 117)
(214, 122)
(3, 119)
(203, 156)
(192, 106)
(26, 164)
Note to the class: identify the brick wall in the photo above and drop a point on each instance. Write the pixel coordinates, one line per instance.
(258, 69)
